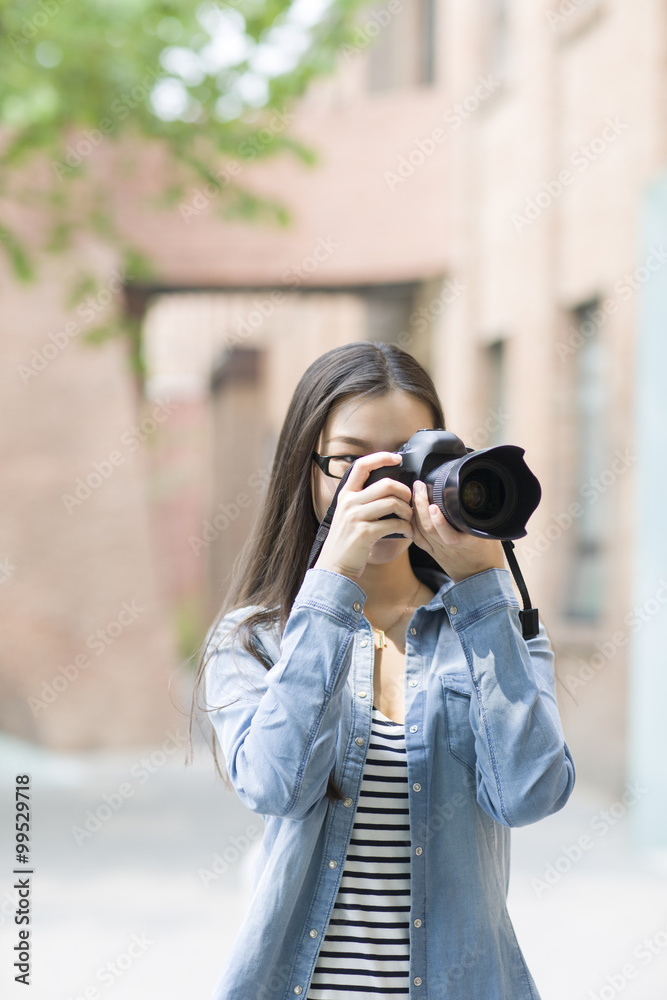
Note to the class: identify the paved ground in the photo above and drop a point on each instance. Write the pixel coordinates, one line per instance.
(123, 912)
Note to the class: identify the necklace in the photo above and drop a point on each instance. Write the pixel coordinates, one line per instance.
(381, 637)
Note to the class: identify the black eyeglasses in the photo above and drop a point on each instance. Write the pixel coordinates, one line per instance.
(334, 465)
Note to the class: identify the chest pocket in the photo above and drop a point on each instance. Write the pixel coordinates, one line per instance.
(460, 737)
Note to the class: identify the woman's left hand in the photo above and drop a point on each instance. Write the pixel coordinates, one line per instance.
(461, 555)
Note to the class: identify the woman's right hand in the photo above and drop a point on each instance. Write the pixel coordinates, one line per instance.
(355, 526)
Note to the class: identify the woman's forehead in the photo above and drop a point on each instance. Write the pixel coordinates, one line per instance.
(361, 422)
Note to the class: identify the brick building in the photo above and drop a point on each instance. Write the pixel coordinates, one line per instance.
(479, 199)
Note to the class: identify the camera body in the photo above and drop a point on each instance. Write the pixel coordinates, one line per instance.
(490, 493)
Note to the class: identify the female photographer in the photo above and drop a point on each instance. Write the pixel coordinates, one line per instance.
(381, 711)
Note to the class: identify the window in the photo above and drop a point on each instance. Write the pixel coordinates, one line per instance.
(586, 583)
(401, 43)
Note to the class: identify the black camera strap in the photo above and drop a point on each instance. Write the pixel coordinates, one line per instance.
(325, 523)
(529, 617)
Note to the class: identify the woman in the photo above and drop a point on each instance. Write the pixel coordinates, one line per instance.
(381, 711)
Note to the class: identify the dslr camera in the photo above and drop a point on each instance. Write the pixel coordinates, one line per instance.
(490, 493)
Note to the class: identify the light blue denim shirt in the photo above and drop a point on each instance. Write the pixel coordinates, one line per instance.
(485, 752)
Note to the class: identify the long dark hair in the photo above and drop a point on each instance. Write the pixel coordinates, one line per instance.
(270, 569)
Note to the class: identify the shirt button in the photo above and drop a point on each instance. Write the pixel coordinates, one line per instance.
(413, 631)
(298, 989)
(417, 787)
(313, 933)
(453, 610)
(362, 694)
(418, 850)
(364, 642)
(347, 802)
(417, 980)
(357, 607)
(417, 922)
(333, 864)
(413, 729)
(413, 684)
(359, 741)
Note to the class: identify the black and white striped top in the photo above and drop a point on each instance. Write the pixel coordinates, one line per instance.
(365, 950)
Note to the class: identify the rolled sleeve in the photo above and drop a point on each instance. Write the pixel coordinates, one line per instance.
(479, 595)
(333, 594)
(278, 736)
(524, 768)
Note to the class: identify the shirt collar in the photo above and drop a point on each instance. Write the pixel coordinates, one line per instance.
(437, 580)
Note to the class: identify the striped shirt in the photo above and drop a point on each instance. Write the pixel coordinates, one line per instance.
(366, 948)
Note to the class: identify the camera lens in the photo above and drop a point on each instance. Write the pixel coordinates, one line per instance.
(473, 495)
(482, 494)
(490, 493)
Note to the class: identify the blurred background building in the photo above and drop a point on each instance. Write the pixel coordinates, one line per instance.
(489, 196)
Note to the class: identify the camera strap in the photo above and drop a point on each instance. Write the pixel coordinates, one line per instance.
(529, 617)
(325, 523)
